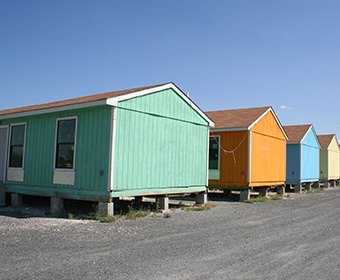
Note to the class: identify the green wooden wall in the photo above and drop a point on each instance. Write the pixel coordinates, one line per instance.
(92, 154)
(160, 145)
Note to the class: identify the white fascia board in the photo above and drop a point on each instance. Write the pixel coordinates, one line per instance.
(303, 138)
(260, 117)
(54, 109)
(113, 101)
(330, 142)
(336, 140)
(229, 129)
(316, 137)
(276, 119)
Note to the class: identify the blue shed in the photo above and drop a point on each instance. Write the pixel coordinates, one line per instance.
(302, 156)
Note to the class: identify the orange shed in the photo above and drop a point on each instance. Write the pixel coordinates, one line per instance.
(247, 149)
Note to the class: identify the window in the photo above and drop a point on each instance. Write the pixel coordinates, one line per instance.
(65, 143)
(214, 152)
(16, 155)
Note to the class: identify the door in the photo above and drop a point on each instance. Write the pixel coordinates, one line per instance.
(3, 148)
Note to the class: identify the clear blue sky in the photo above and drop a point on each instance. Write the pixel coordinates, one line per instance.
(226, 54)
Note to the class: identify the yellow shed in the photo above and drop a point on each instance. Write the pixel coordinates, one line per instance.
(329, 159)
(247, 149)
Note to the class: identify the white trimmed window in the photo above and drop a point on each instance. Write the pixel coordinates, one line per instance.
(17, 145)
(66, 130)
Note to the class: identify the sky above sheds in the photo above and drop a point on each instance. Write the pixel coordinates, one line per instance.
(226, 54)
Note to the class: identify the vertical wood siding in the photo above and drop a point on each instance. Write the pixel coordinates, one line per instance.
(92, 151)
(268, 160)
(323, 164)
(310, 158)
(268, 153)
(333, 160)
(160, 142)
(232, 173)
(293, 164)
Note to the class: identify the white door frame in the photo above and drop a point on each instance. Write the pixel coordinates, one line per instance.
(6, 146)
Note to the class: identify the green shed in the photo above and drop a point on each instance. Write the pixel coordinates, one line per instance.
(148, 141)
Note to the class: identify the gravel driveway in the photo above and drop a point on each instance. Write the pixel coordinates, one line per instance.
(294, 238)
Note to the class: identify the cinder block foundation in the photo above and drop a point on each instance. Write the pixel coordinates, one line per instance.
(163, 203)
(298, 188)
(316, 185)
(105, 208)
(280, 189)
(2, 195)
(57, 205)
(263, 191)
(16, 200)
(201, 198)
(334, 183)
(326, 185)
(244, 195)
(308, 186)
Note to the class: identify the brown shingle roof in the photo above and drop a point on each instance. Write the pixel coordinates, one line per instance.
(295, 133)
(236, 117)
(84, 99)
(325, 140)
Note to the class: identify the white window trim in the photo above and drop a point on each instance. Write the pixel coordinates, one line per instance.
(75, 143)
(24, 149)
(219, 158)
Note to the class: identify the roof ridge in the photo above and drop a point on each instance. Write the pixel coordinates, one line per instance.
(240, 109)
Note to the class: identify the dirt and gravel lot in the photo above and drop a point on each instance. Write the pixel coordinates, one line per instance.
(294, 238)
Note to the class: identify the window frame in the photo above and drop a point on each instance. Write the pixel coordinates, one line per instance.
(10, 146)
(218, 149)
(56, 143)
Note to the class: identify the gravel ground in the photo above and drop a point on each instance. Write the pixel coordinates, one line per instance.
(294, 238)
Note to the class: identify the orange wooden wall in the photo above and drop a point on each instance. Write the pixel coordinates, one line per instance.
(232, 173)
(268, 153)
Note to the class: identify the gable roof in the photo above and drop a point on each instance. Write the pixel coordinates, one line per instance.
(240, 119)
(108, 98)
(296, 133)
(325, 140)
(72, 101)
(236, 118)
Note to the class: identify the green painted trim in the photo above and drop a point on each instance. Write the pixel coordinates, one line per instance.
(163, 191)
(59, 192)
(214, 174)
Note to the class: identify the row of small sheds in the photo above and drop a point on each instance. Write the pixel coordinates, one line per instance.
(250, 148)
(154, 141)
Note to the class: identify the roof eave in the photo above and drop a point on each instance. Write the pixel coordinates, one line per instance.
(111, 101)
(54, 109)
(229, 129)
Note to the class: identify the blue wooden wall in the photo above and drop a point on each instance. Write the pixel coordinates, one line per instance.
(293, 164)
(310, 158)
(302, 160)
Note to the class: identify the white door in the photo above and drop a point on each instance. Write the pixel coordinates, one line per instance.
(3, 147)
